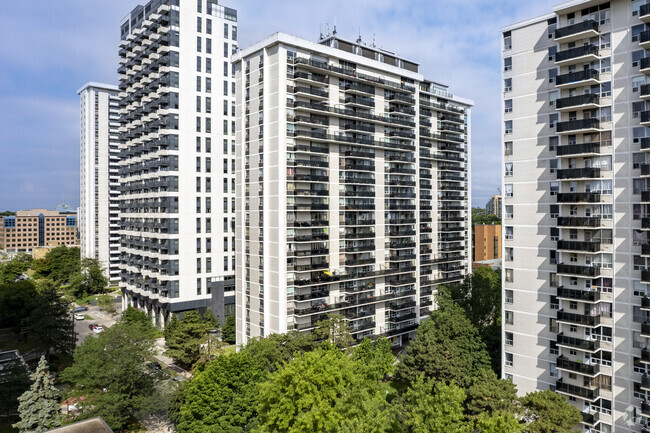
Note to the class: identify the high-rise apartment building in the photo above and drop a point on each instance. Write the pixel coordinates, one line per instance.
(493, 206)
(576, 209)
(487, 242)
(177, 107)
(28, 230)
(352, 188)
(99, 219)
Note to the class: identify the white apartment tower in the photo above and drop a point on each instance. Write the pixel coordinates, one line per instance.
(177, 107)
(352, 188)
(576, 209)
(98, 217)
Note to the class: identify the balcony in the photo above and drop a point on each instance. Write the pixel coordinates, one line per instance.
(590, 394)
(580, 102)
(645, 118)
(645, 303)
(578, 197)
(577, 319)
(645, 409)
(645, 330)
(644, 39)
(578, 126)
(645, 382)
(578, 149)
(589, 247)
(577, 343)
(577, 367)
(582, 78)
(584, 30)
(579, 222)
(644, 65)
(579, 271)
(578, 173)
(645, 276)
(590, 418)
(572, 56)
(578, 295)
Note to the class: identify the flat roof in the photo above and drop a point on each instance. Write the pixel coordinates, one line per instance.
(92, 425)
(97, 85)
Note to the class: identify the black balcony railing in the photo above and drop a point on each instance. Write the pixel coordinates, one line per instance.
(578, 222)
(578, 173)
(575, 101)
(644, 36)
(573, 29)
(577, 343)
(578, 319)
(591, 247)
(573, 53)
(578, 295)
(578, 197)
(577, 125)
(576, 149)
(578, 367)
(577, 391)
(644, 63)
(580, 271)
(645, 276)
(576, 77)
(645, 302)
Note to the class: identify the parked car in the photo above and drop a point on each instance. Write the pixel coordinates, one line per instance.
(79, 316)
(80, 309)
(92, 326)
(98, 329)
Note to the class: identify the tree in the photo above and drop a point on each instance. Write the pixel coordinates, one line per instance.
(183, 340)
(17, 301)
(447, 348)
(229, 331)
(50, 322)
(498, 423)
(318, 391)
(14, 268)
(548, 412)
(110, 371)
(39, 406)
(59, 265)
(89, 280)
(334, 330)
(431, 407)
(14, 381)
(488, 394)
(374, 359)
(272, 351)
(223, 396)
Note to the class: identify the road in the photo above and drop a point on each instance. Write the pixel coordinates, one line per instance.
(102, 317)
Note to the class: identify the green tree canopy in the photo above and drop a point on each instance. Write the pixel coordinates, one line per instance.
(548, 412)
(39, 406)
(487, 394)
(89, 279)
(59, 265)
(447, 348)
(334, 330)
(229, 331)
(109, 371)
(14, 268)
(17, 301)
(51, 323)
(183, 338)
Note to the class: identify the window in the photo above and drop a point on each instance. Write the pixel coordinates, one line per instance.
(509, 296)
(555, 234)
(508, 126)
(198, 44)
(225, 30)
(552, 73)
(552, 119)
(208, 46)
(509, 359)
(508, 105)
(509, 192)
(605, 41)
(509, 338)
(507, 84)
(637, 82)
(636, 31)
(509, 275)
(553, 143)
(553, 280)
(507, 64)
(553, 164)
(637, 56)
(510, 317)
(208, 26)
(507, 41)
(510, 255)
(605, 91)
(605, 65)
(553, 96)
(551, 52)
(555, 304)
(509, 211)
(552, 369)
(507, 148)
(508, 169)
(554, 188)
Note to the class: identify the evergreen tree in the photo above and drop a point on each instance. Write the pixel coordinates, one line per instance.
(39, 406)
(229, 332)
(334, 330)
(183, 341)
(50, 322)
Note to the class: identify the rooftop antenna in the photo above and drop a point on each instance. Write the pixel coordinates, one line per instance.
(359, 38)
(373, 40)
(321, 31)
(334, 32)
(327, 29)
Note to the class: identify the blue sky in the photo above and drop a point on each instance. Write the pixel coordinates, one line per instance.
(50, 49)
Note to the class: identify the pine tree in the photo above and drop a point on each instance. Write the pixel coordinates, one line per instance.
(39, 406)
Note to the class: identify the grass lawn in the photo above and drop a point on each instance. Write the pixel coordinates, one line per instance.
(228, 350)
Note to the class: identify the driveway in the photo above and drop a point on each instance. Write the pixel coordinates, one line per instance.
(97, 316)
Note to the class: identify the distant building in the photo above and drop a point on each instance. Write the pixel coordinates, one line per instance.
(99, 219)
(30, 229)
(493, 206)
(487, 242)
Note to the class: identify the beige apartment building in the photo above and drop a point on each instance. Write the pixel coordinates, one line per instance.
(576, 209)
(30, 229)
(352, 188)
(487, 242)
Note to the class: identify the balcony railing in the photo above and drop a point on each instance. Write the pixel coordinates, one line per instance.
(645, 276)
(578, 173)
(577, 125)
(578, 197)
(578, 319)
(576, 77)
(644, 37)
(590, 247)
(578, 343)
(580, 271)
(577, 391)
(575, 101)
(578, 295)
(578, 367)
(578, 222)
(577, 149)
(585, 26)
(574, 53)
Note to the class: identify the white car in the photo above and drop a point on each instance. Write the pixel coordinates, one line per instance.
(79, 316)
(98, 329)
